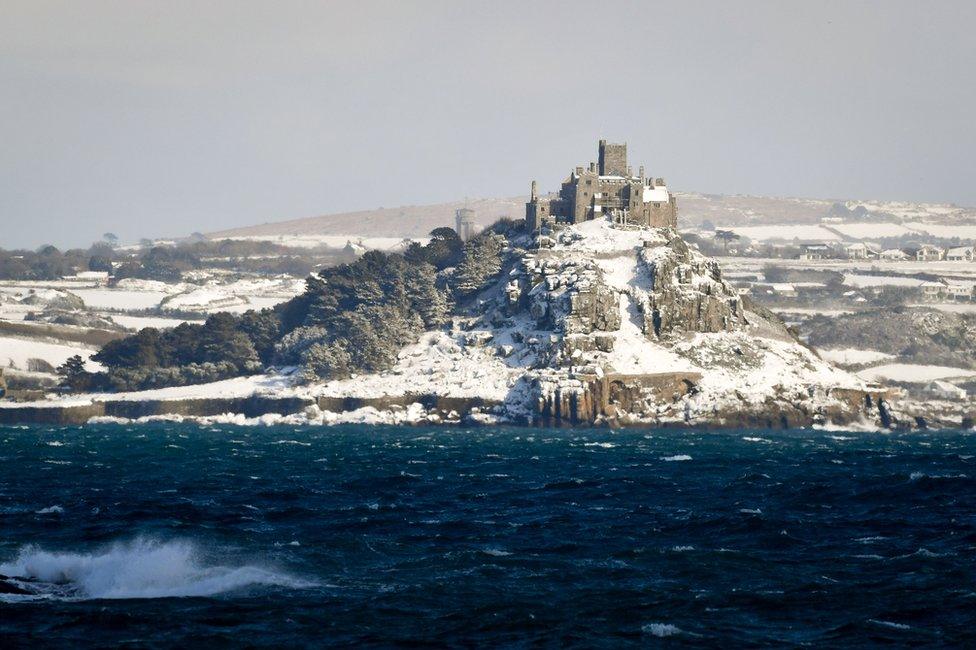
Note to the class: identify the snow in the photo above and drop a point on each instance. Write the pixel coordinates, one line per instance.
(870, 230)
(120, 299)
(861, 281)
(139, 322)
(229, 388)
(19, 350)
(852, 356)
(656, 194)
(238, 296)
(780, 366)
(786, 232)
(633, 353)
(438, 364)
(963, 231)
(913, 373)
(951, 307)
(334, 241)
(599, 236)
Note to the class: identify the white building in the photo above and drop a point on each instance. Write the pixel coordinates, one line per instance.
(961, 254)
(929, 253)
(959, 292)
(894, 255)
(945, 390)
(933, 290)
(862, 251)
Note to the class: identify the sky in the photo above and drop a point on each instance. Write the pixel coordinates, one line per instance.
(155, 119)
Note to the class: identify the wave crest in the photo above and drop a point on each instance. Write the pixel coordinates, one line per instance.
(141, 568)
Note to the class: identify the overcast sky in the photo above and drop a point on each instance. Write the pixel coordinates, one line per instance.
(163, 118)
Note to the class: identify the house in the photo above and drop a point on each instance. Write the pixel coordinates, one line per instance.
(959, 292)
(933, 290)
(784, 289)
(929, 253)
(862, 251)
(893, 255)
(961, 254)
(98, 278)
(945, 390)
(814, 251)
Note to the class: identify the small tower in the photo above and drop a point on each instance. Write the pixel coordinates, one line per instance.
(464, 223)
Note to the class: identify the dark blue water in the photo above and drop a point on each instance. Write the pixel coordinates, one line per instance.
(176, 535)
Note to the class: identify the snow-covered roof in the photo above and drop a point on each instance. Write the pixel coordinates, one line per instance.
(962, 250)
(656, 194)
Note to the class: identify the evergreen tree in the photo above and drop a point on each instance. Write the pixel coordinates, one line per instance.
(481, 261)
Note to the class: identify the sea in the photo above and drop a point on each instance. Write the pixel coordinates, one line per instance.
(180, 535)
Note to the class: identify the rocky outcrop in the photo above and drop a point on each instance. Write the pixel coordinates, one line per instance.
(565, 296)
(687, 293)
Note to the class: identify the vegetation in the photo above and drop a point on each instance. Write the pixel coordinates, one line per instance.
(352, 318)
(166, 263)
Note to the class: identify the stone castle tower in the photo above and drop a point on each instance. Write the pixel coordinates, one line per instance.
(609, 189)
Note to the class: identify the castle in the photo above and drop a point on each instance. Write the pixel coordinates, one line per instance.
(609, 188)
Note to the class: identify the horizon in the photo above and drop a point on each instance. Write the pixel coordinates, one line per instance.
(158, 123)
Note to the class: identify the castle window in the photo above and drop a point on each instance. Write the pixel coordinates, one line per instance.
(589, 182)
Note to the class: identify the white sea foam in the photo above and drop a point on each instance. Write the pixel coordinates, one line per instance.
(142, 568)
(660, 629)
(51, 510)
(679, 457)
(891, 624)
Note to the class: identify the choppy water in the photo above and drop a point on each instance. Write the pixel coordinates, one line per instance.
(176, 535)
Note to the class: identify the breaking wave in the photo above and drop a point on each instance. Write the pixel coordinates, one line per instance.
(142, 568)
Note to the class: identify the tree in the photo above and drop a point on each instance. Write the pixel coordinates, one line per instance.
(73, 374)
(100, 263)
(444, 247)
(481, 262)
(774, 274)
(111, 239)
(726, 237)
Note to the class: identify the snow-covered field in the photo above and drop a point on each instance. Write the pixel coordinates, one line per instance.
(139, 322)
(963, 231)
(870, 231)
(120, 299)
(852, 356)
(912, 373)
(19, 350)
(335, 241)
(786, 232)
(861, 281)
